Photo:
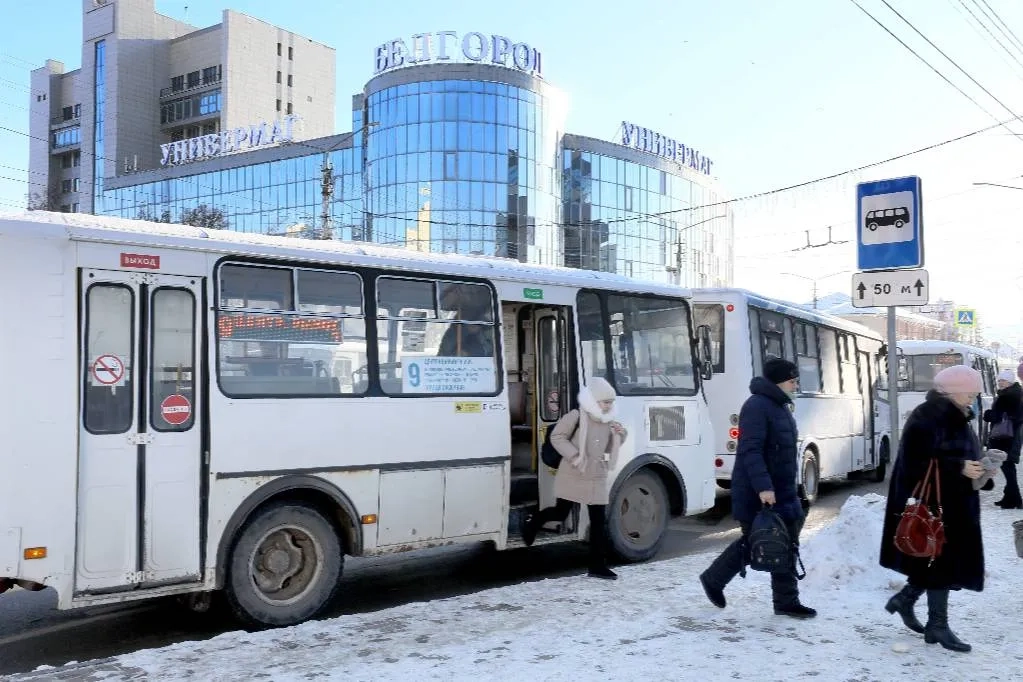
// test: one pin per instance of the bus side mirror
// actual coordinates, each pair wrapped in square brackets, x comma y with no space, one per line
[706,352]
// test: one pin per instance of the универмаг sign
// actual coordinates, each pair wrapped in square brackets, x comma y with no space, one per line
[647,140]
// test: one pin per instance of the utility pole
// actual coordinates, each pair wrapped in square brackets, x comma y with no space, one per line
[326,192]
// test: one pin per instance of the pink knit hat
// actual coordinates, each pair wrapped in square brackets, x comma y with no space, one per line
[958,379]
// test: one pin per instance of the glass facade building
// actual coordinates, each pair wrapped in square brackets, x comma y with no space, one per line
[462,158]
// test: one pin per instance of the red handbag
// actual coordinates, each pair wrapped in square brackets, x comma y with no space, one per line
[920,533]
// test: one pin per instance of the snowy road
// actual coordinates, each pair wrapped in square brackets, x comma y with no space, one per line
[33,632]
[652,624]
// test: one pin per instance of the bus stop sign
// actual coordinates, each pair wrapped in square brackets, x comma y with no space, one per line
[889,224]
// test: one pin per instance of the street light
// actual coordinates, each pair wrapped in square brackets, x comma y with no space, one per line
[677,270]
[815,280]
[995,184]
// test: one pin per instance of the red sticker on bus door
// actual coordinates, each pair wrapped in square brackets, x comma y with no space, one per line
[140,260]
[176,409]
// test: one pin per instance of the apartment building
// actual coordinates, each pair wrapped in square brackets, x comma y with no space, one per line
[147,80]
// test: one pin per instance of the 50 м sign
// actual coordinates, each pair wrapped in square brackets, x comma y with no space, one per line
[884,288]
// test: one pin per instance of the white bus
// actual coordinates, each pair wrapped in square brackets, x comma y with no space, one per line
[843,429]
[919,361]
[189,411]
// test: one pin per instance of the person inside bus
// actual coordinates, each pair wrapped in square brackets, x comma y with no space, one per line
[765,473]
[467,340]
[1006,419]
[939,430]
[588,440]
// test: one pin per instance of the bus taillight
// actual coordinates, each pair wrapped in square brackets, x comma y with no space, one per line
[733,433]
[719,462]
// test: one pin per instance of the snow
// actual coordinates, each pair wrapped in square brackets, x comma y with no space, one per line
[654,623]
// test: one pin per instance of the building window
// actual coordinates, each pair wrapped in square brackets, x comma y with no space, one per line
[211,74]
[278,105]
[65,160]
[67,137]
[194,79]
[69,113]
[178,83]
[65,186]
[291,53]
[75,184]
[65,208]
[290,81]
[278,76]
[210,128]
[289,111]
[76,208]
[278,49]
[76,159]
[450,165]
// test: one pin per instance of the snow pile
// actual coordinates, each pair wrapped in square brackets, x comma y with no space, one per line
[846,551]
[655,623]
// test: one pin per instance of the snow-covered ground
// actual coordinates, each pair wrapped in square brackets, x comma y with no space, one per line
[654,623]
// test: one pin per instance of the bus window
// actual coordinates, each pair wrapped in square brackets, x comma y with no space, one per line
[172,368]
[110,315]
[920,370]
[829,361]
[809,367]
[591,334]
[849,366]
[771,335]
[756,352]
[651,345]
[269,346]
[457,321]
[713,316]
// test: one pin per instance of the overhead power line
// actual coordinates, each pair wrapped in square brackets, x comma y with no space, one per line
[952,61]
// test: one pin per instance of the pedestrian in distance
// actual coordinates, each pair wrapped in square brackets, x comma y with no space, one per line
[1006,419]
[588,440]
[939,430]
[765,473]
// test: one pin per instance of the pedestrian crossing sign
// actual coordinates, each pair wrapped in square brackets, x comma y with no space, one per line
[966,317]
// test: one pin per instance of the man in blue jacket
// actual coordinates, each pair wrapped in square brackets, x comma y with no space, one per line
[765,473]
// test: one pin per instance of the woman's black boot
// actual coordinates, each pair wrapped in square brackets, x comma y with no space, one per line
[937,630]
[902,603]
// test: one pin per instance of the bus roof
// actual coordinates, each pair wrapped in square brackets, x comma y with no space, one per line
[140,233]
[792,309]
[928,346]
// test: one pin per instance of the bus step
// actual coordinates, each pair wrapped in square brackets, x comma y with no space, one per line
[525,489]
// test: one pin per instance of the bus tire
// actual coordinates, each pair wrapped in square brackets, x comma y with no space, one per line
[878,474]
[637,517]
[811,472]
[285,566]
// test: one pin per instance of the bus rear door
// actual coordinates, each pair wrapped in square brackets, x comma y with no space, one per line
[140,444]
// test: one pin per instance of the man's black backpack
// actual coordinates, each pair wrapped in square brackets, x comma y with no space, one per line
[770,547]
[548,453]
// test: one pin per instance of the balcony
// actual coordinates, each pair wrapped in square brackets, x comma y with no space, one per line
[166,93]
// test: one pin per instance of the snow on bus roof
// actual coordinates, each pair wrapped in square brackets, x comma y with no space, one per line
[922,346]
[87,227]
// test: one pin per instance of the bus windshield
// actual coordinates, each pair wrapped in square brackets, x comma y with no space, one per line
[916,372]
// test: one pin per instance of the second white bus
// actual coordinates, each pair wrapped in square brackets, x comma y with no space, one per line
[843,429]
[919,361]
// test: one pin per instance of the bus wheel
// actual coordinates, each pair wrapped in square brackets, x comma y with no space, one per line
[878,474]
[285,566]
[811,476]
[638,517]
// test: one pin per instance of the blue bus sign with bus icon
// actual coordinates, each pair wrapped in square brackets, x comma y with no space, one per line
[889,224]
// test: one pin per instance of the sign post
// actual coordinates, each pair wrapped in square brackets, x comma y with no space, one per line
[890,256]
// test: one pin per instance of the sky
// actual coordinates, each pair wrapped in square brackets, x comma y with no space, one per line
[653,623]
[776,92]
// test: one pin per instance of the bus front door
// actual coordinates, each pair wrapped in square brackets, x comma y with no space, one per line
[867,395]
[140,444]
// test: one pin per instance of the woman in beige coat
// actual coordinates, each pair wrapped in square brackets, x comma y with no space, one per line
[588,440]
